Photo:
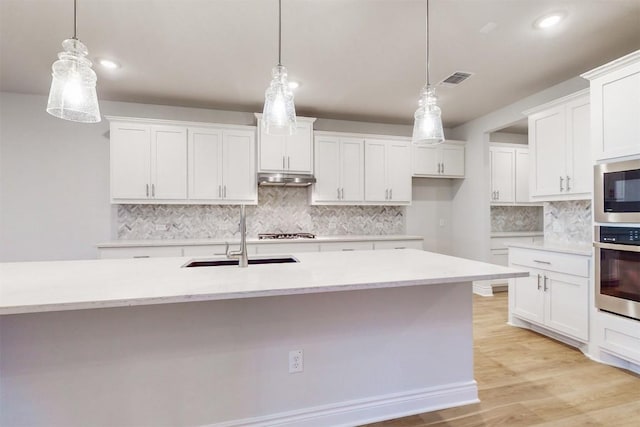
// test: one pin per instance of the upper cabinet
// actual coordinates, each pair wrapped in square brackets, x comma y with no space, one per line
[387,172]
[290,153]
[509,174]
[438,161]
[157,161]
[559,149]
[339,170]
[615,108]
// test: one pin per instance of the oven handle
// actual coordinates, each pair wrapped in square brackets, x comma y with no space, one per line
[617,247]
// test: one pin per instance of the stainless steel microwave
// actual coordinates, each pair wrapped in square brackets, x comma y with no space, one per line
[616,193]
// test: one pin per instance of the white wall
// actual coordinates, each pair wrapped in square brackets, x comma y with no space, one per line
[470,210]
[54,177]
[509,138]
[429,215]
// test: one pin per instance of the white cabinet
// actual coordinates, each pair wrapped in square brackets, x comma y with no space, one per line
[148,162]
[615,104]
[555,295]
[387,171]
[222,165]
[160,161]
[439,161]
[287,153]
[140,252]
[509,174]
[339,170]
[346,246]
[559,146]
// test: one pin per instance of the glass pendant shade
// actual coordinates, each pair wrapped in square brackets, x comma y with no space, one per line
[279,113]
[73,85]
[427,127]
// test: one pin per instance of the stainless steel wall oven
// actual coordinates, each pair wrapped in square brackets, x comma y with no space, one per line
[618,270]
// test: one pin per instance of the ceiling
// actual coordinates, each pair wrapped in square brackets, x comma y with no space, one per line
[355,59]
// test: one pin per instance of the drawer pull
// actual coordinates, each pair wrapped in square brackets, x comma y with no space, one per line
[542,262]
[545,283]
[141,256]
[348,249]
[538,282]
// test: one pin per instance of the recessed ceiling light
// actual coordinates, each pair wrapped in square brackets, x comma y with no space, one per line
[294,85]
[549,20]
[107,63]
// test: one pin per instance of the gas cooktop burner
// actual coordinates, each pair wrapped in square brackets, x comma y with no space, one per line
[277,236]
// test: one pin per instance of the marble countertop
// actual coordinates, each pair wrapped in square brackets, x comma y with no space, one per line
[253,240]
[516,233]
[568,248]
[29,287]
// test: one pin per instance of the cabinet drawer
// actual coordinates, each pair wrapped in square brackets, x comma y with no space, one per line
[141,252]
[346,246]
[502,242]
[551,261]
[286,248]
[205,250]
[620,336]
[398,244]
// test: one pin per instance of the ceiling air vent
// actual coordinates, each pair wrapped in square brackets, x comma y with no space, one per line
[455,78]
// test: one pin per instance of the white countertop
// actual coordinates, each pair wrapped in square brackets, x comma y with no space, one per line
[574,249]
[253,240]
[28,287]
[516,233]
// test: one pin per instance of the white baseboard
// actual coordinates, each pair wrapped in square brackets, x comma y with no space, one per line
[483,288]
[363,411]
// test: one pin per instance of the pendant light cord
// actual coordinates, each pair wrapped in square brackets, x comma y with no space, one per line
[279,32]
[75,20]
[428,82]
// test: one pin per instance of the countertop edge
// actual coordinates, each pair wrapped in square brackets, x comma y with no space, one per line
[573,250]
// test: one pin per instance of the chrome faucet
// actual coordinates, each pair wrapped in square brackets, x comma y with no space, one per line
[241,255]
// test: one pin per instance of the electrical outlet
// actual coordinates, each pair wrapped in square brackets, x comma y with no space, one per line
[295,361]
[441,222]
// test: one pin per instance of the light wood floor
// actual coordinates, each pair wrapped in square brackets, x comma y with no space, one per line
[526,379]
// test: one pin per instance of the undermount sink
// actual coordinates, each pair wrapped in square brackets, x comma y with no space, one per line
[225,261]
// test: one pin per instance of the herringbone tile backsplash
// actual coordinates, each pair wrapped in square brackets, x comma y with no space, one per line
[280,210]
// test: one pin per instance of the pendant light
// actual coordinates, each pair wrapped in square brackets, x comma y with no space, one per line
[279,113]
[427,127]
[73,86]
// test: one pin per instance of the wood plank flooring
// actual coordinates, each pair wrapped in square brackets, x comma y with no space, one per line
[526,379]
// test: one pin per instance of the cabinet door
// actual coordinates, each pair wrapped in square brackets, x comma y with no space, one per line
[452,160]
[567,304]
[522,175]
[426,160]
[528,297]
[618,125]
[327,164]
[130,146]
[205,164]
[502,174]
[352,167]
[375,171]
[579,164]
[299,149]
[399,171]
[169,162]
[238,167]
[271,156]
[547,135]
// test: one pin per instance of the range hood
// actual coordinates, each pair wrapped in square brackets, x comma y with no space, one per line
[286,179]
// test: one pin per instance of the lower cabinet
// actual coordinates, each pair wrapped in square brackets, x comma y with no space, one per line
[280,247]
[555,295]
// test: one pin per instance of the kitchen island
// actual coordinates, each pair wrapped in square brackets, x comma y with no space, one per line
[146,342]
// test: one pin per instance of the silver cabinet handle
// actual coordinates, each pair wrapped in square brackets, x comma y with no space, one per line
[224,191]
[439,167]
[538,282]
[147,191]
[288,162]
[568,183]
[561,181]
[498,195]
[338,190]
[545,283]
[342,193]
[542,262]
[283,168]
[443,167]
[142,256]
[153,190]
[220,191]
[391,194]
[386,194]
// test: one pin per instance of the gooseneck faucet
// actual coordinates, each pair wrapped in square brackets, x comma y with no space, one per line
[241,255]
